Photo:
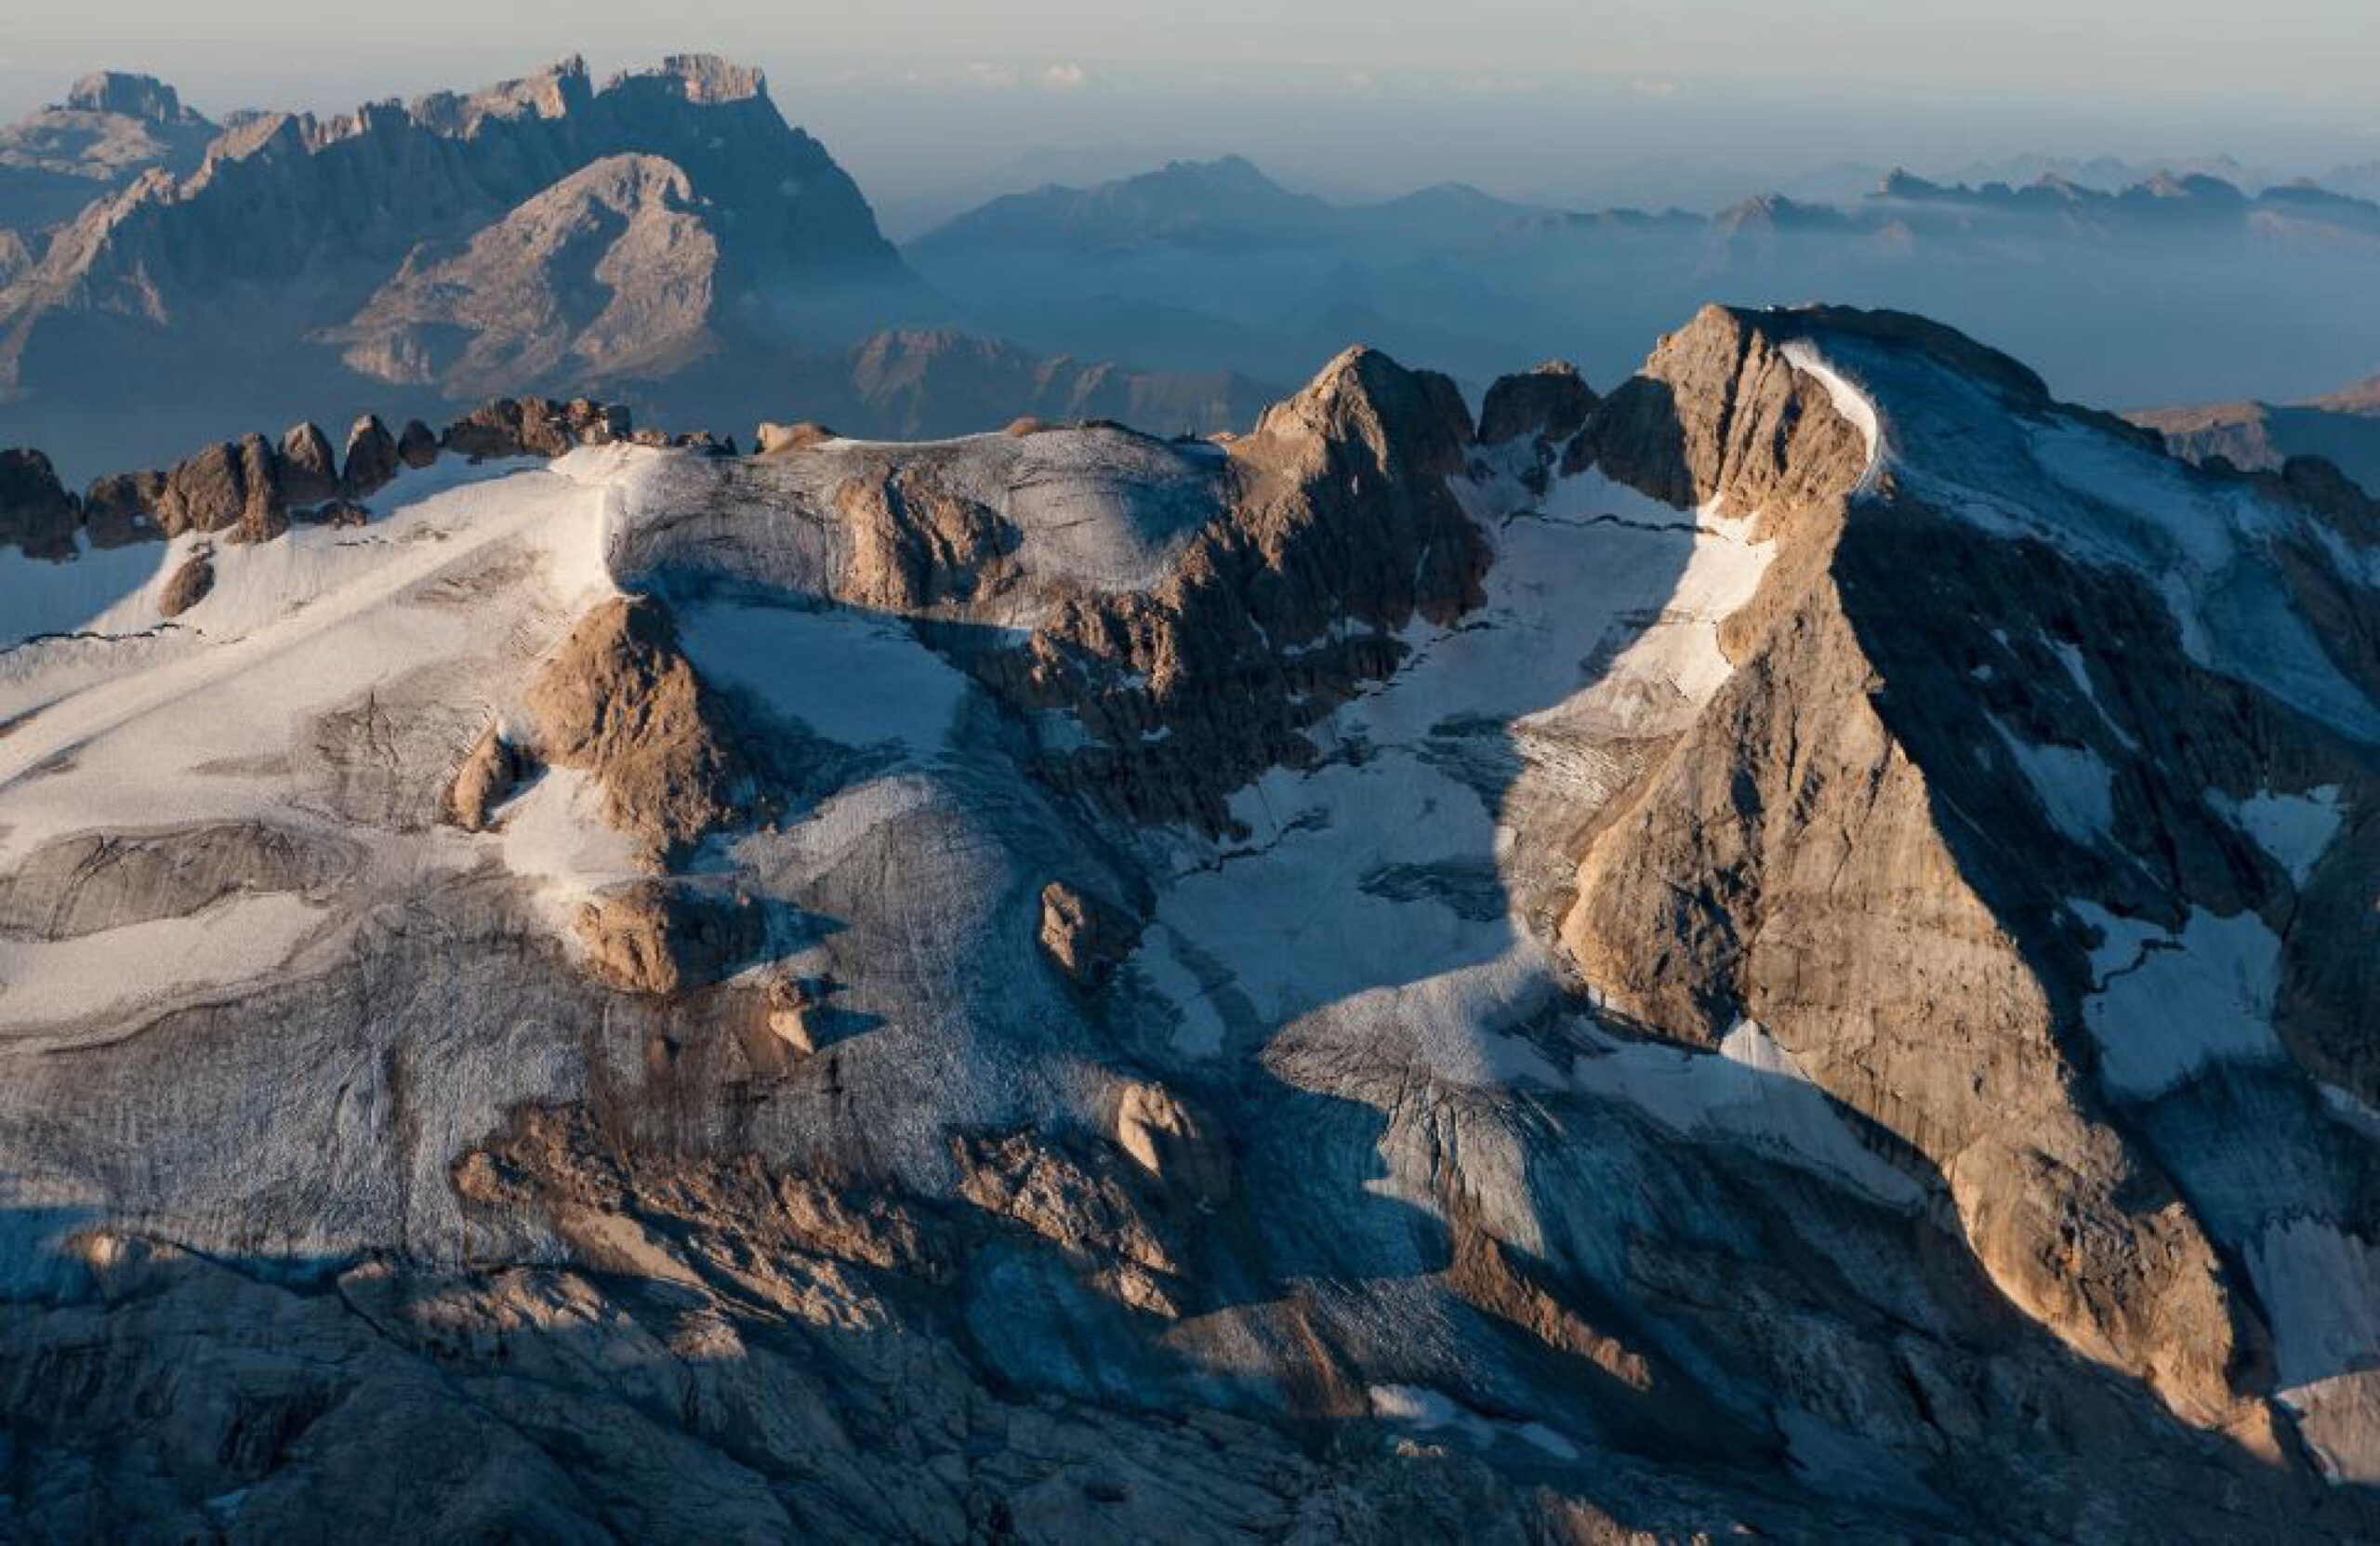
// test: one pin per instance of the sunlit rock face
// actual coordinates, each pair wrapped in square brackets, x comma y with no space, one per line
[1785,945]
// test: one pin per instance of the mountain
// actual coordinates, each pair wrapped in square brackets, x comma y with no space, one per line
[1786,948]
[111,129]
[2180,283]
[665,241]
[2342,427]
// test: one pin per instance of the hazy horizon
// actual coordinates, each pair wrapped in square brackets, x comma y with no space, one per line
[1618,103]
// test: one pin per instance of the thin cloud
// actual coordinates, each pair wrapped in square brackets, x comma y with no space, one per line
[1065,75]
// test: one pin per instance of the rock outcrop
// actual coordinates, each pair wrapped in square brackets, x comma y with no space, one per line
[36,513]
[1810,975]
[621,702]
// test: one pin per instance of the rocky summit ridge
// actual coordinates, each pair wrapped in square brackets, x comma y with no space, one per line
[1783,948]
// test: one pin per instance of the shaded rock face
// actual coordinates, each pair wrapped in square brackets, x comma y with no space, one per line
[1836,1005]
[658,940]
[915,547]
[36,514]
[485,780]
[1339,530]
[309,474]
[1550,403]
[371,459]
[233,489]
[1087,938]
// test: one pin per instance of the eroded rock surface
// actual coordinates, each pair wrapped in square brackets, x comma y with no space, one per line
[1782,951]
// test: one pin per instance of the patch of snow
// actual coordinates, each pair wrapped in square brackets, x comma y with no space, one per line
[1752,1091]
[852,677]
[2295,829]
[143,965]
[2075,787]
[1848,399]
[2168,1005]
[553,835]
[2321,1290]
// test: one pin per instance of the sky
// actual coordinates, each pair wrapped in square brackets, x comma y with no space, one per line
[936,105]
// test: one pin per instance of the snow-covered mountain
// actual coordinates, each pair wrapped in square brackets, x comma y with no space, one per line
[1787,949]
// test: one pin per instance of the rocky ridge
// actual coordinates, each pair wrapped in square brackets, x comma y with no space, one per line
[1779,947]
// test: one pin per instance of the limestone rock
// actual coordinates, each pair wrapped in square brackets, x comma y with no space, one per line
[1167,1140]
[655,939]
[620,701]
[307,471]
[188,584]
[532,427]
[1550,402]
[484,780]
[121,507]
[234,489]
[916,546]
[417,445]
[773,438]
[36,514]
[371,461]
[1087,938]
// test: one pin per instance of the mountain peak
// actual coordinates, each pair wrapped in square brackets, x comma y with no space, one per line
[142,97]
[700,78]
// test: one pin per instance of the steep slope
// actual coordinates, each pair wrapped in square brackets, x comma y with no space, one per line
[1781,948]
[111,129]
[403,237]
[609,273]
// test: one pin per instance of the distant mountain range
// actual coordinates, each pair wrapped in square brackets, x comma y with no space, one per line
[2178,284]
[2342,427]
[668,241]
[544,235]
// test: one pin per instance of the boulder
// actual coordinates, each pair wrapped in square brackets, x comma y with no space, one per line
[417,447]
[372,457]
[188,584]
[121,507]
[36,513]
[308,472]
[1087,938]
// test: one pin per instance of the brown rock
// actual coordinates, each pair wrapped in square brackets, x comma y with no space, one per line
[307,471]
[620,701]
[654,938]
[121,507]
[770,439]
[1550,402]
[36,513]
[1164,1138]
[484,780]
[188,584]
[371,458]
[1085,936]
[914,545]
[225,488]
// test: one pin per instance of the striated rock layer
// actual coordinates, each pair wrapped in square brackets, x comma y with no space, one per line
[1783,948]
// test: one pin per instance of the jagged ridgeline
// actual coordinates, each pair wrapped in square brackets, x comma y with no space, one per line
[1785,947]
[665,241]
